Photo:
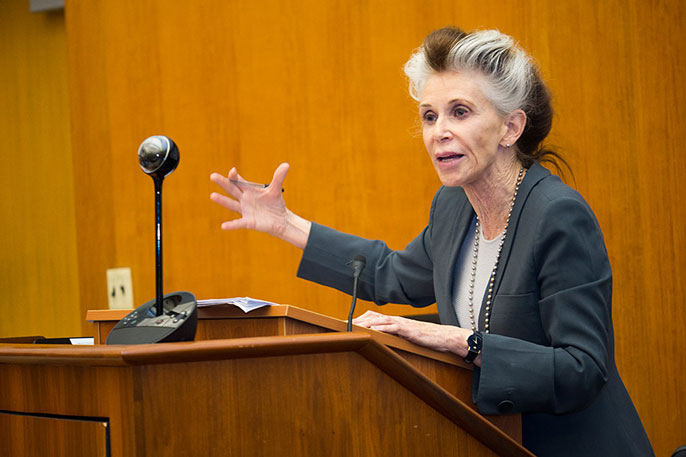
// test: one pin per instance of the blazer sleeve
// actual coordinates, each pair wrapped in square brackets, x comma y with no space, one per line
[404,276]
[574,283]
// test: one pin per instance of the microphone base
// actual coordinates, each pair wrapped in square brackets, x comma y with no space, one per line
[178,322]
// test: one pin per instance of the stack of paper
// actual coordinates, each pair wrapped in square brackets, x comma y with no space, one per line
[247,304]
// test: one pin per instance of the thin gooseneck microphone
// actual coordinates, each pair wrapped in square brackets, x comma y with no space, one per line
[357,263]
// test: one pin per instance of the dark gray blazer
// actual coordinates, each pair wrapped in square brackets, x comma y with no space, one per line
[550,353]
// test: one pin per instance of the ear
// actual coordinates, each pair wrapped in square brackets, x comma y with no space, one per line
[514,124]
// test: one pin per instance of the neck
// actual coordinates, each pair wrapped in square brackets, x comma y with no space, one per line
[491,198]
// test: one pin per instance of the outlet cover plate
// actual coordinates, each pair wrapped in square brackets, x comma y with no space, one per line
[119,288]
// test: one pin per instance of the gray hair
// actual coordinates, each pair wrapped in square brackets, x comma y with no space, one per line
[513,80]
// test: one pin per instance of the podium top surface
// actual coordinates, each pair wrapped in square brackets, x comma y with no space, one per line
[228,311]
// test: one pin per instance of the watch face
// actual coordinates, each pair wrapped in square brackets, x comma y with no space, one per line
[474,342]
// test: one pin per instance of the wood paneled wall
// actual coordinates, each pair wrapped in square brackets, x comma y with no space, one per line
[38,267]
[320,85]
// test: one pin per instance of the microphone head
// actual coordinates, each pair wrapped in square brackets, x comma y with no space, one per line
[158,156]
[358,263]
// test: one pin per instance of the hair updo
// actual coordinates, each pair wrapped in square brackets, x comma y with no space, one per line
[513,81]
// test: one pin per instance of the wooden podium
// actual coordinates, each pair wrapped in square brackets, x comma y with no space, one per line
[284,383]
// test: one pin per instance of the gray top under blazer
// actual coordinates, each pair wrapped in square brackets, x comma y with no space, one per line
[550,353]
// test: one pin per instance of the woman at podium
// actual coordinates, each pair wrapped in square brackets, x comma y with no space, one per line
[514,259]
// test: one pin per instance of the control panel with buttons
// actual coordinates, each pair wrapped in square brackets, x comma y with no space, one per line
[178,322]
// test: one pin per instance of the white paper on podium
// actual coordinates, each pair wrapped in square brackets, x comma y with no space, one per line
[246,304]
[85,341]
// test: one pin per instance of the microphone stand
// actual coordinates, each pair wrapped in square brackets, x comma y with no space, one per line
[352,306]
[158,251]
[358,263]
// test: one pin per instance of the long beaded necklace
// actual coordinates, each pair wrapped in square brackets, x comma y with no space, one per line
[475,257]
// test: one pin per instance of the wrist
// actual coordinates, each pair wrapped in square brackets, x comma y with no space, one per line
[474,344]
[296,230]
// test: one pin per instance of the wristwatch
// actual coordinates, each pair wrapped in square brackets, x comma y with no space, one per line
[474,342]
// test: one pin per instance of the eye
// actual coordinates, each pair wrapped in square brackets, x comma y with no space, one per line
[429,117]
[460,111]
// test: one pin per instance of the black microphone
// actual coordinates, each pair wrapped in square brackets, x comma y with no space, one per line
[357,263]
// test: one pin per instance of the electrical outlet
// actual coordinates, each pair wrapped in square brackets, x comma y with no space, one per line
[119,288]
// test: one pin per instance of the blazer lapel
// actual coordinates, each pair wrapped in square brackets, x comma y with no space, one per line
[461,214]
[532,177]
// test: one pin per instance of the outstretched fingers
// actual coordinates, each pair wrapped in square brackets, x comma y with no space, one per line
[260,207]
[225,183]
[233,177]
[226,202]
[235,224]
[232,204]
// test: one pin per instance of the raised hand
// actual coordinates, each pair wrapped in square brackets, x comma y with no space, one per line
[260,208]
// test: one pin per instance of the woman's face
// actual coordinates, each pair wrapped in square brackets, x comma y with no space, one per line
[461,128]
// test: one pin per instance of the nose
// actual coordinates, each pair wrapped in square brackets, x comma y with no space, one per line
[442,130]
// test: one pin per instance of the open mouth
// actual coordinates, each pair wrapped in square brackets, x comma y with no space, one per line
[449,157]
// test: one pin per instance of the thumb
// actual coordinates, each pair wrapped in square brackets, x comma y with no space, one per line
[279,176]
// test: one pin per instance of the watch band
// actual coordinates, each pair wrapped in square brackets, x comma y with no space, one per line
[474,343]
